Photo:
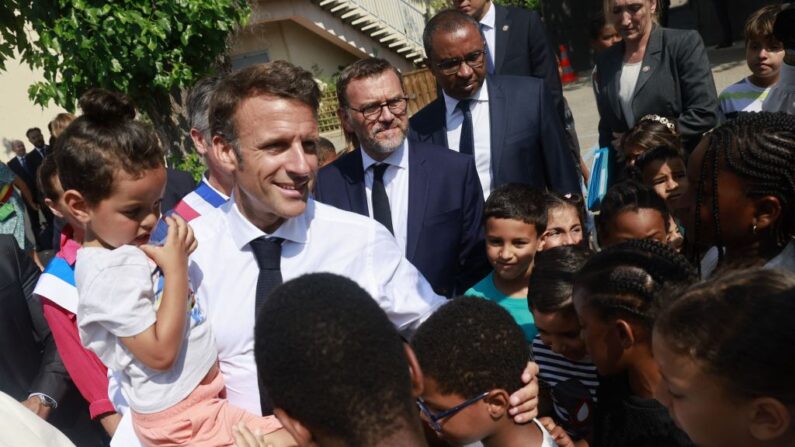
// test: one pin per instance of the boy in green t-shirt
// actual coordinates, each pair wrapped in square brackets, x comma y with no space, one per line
[514,217]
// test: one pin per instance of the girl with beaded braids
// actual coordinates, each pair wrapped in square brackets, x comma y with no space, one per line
[742,193]
[617,297]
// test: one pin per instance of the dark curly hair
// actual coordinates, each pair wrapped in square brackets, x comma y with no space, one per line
[329,356]
[470,346]
[106,139]
[626,279]
[738,327]
[628,195]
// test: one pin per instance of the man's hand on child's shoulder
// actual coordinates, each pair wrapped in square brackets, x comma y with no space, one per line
[524,402]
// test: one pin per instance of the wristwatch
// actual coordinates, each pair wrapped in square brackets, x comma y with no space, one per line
[46,400]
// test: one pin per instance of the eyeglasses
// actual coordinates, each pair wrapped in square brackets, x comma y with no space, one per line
[396,106]
[433,419]
[474,59]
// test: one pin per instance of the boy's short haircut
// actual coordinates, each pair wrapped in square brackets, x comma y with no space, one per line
[759,25]
[330,358]
[470,346]
[518,202]
[48,170]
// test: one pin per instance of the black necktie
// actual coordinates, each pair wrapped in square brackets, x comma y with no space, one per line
[466,145]
[268,253]
[381,211]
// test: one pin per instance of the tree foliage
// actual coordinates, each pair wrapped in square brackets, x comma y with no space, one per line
[149,49]
[535,5]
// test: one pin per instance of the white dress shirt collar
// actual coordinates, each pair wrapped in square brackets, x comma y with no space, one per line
[295,229]
[450,103]
[489,18]
[398,158]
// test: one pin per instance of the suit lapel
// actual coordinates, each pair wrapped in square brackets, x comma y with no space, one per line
[418,188]
[498,119]
[651,60]
[614,69]
[354,175]
[439,136]
[502,24]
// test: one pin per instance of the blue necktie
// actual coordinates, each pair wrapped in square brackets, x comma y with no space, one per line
[381,211]
[466,144]
[268,253]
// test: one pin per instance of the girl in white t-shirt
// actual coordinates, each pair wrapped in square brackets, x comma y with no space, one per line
[136,310]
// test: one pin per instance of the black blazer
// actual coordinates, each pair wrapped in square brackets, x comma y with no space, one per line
[528,144]
[23,172]
[523,49]
[445,206]
[675,80]
[34,159]
[29,360]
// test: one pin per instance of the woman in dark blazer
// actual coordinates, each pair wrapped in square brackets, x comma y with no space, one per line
[654,70]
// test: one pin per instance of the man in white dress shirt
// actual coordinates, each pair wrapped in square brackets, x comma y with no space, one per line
[264,125]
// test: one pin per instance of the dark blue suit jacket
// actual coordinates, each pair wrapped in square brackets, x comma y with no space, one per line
[528,144]
[523,49]
[444,231]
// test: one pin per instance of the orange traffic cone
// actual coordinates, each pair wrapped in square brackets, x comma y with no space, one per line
[568,72]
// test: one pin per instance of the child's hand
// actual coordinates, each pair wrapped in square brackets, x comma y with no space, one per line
[180,242]
[557,432]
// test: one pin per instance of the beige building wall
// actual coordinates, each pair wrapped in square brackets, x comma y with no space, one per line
[17,112]
[289,41]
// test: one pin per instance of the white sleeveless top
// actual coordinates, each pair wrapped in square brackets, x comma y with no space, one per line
[626,89]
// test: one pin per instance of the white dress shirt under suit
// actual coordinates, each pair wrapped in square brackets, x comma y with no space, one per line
[396,183]
[481,127]
[224,272]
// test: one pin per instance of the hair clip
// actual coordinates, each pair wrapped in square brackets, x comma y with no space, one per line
[660,119]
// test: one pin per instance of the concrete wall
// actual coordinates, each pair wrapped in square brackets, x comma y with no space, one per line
[17,112]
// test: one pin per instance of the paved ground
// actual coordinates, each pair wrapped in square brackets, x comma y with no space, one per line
[728,66]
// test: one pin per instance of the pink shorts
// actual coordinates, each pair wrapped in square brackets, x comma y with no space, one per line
[204,418]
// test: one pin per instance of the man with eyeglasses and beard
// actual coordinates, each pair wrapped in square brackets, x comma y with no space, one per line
[507,123]
[428,197]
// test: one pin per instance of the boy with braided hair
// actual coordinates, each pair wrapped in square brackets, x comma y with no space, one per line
[617,297]
[743,186]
